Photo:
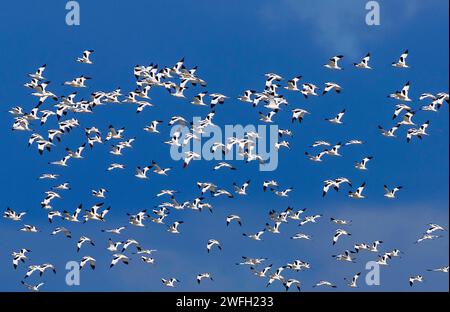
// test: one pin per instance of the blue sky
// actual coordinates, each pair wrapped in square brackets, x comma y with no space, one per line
[233,44]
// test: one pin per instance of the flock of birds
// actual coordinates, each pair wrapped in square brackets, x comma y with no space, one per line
[176,80]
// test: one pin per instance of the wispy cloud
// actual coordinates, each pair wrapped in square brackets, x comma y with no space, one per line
[337,26]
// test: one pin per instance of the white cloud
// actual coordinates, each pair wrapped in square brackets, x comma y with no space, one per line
[337,26]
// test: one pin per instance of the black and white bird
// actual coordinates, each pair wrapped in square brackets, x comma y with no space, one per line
[420,132]
[223,164]
[113,246]
[141,173]
[147,260]
[117,150]
[203,276]
[116,231]
[40,268]
[251,261]
[316,158]
[415,279]
[130,242]
[13,215]
[169,282]
[269,184]
[232,217]
[87,259]
[364,64]
[292,84]
[85,58]
[362,165]
[309,89]
[339,233]
[310,219]
[383,260]
[334,151]
[166,192]
[333,62]
[241,190]
[158,170]
[354,142]
[320,143]
[295,215]
[432,107]
[100,193]
[73,217]
[62,230]
[174,227]
[217,98]
[298,265]
[346,256]
[400,108]
[291,282]
[325,283]
[42,93]
[38,74]
[390,133]
[285,132]
[190,156]
[261,273]
[331,86]
[32,84]
[426,237]
[401,63]
[402,95]
[353,282]
[282,193]
[394,253]
[145,251]
[62,186]
[83,240]
[267,118]
[298,114]
[16,111]
[198,99]
[62,162]
[433,227]
[49,176]
[275,229]
[256,236]
[152,128]
[276,276]
[337,119]
[444,269]
[246,97]
[374,246]
[119,258]
[211,243]
[116,134]
[33,288]
[358,193]
[361,246]
[78,82]
[95,214]
[391,193]
[340,221]
[19,256]
[301,236]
